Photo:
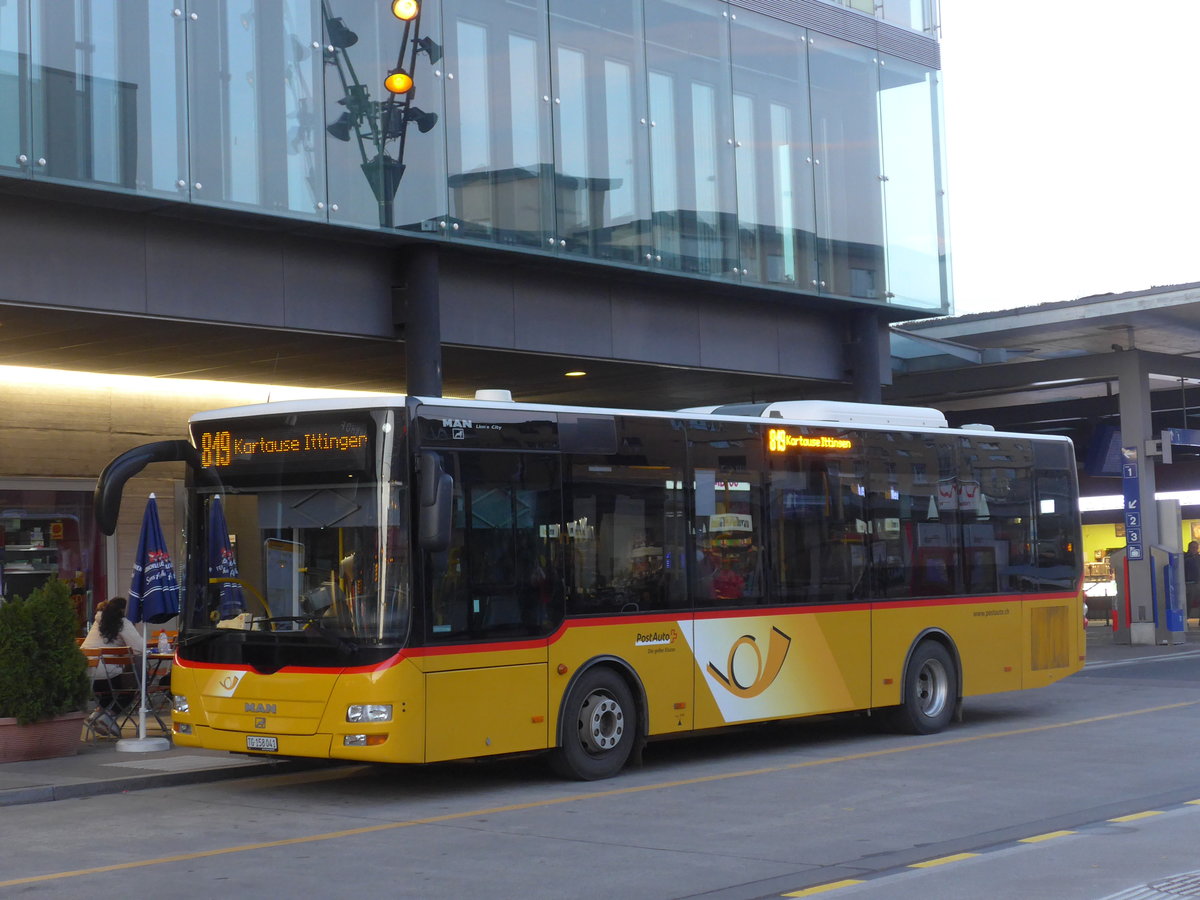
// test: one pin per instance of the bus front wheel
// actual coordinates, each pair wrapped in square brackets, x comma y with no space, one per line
[930,691]
[599,727]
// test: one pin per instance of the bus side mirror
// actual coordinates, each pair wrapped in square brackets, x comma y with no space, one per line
[111,483]
[436,499]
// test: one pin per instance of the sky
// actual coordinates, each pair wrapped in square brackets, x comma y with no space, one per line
[1073,148]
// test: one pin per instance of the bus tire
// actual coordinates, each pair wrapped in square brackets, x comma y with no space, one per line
[599,727]
[930,691]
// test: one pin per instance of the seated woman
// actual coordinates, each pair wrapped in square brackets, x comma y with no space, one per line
[115,685]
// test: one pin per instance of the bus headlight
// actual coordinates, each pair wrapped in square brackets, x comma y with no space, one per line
[179,703]
[369,712]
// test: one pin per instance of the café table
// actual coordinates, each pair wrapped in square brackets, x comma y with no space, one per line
[158,696]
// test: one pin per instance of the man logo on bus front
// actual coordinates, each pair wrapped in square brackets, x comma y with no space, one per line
[777,650]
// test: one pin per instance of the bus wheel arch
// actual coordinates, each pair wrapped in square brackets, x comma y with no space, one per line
[931,689]
[601,721]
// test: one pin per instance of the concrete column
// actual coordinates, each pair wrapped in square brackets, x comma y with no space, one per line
[419,315]
[865,350]
[1136,429]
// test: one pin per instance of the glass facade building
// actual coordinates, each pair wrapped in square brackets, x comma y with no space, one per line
[729,142]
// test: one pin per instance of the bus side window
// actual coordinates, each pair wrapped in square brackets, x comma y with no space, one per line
[1057,536]
[915,492]
[997,514]
[818,524]
[624,530]
[730,514]
[500,575]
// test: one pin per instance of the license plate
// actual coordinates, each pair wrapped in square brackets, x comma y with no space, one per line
[261,742]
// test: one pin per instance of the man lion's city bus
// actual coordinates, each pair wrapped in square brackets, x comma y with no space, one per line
[405,579]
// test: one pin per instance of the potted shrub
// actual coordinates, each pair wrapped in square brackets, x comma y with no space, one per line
[44,682]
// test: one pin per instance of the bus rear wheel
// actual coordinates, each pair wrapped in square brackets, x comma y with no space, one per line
[930,691]
[599,727]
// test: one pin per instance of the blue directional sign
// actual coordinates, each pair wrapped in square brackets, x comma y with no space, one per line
[1184,437]
[1134,548]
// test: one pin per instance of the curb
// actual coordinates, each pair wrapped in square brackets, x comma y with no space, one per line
[43,793]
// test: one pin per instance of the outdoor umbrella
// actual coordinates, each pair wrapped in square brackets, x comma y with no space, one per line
[221,562]
[153,598]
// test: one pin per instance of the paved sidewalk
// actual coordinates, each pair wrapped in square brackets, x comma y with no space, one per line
[100,768]
[1101,649]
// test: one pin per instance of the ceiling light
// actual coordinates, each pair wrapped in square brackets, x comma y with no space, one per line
[575,374]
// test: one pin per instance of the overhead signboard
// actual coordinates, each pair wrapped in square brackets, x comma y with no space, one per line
[1134,548]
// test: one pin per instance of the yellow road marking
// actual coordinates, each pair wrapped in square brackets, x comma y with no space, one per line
[1135,816]
[1192,803]
[822,888]
[942,860]
[1044,837]
[597,795]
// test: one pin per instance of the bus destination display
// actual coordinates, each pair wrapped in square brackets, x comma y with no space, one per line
[780,440]
[235,446]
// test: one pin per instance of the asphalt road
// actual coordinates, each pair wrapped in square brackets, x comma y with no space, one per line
[1081,790]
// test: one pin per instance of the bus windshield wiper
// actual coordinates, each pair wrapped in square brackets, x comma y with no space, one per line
[343,642]
[310,622]
[194,640]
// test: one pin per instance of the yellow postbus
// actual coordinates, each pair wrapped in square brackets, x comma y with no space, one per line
[413,579]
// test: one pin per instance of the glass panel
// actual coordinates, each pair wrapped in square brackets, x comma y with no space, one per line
[386,151]
[52,534]
[106,104]
[602,194]
[253,77]
[845,127]
[625,525]
[501,574]
[691,114]
[499,153]
[730,522]
[663,162]
[908,111]
[774,152]
[818,520]
[914,14]
[14,87]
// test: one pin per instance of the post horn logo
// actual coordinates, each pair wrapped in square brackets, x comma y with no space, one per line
[229,682]
[777,650]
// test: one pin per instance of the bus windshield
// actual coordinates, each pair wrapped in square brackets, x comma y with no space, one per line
[307,544]
[308,559]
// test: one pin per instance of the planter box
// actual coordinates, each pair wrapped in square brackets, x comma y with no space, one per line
[41,740]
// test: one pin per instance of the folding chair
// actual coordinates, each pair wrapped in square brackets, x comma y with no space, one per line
[127,696]
[93,660]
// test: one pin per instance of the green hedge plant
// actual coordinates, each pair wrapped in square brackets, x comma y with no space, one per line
[42,672]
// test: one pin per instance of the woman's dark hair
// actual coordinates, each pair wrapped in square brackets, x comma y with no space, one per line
[111,617]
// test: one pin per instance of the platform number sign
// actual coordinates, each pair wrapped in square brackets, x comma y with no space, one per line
[1133,509]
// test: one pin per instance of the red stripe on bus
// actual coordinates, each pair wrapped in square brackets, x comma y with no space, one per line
[296,670]
[601,621]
